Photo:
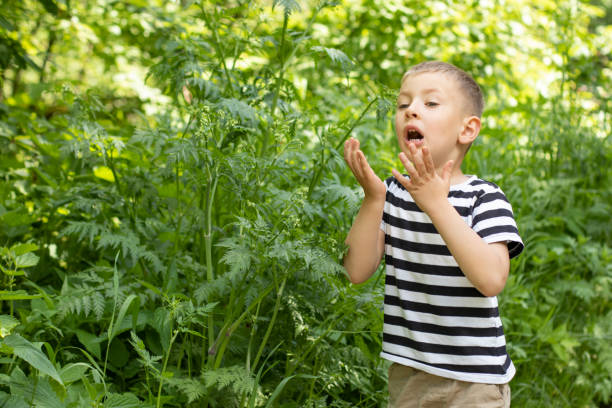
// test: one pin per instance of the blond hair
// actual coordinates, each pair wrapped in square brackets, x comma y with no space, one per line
[466,83]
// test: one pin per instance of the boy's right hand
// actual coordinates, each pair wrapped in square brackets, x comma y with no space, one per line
[372,185]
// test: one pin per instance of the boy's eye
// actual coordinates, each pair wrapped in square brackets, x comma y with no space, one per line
[431,104]
[403,105]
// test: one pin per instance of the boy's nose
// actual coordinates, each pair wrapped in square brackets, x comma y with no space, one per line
[411,111]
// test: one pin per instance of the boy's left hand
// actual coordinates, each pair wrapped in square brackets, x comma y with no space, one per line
[425,185]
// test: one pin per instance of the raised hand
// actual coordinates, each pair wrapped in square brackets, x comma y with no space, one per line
[425,185]
[372,185]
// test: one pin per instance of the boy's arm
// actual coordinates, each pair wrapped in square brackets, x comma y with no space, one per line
[365,240]
[485,265]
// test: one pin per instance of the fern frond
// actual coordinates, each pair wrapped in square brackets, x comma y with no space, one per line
[82,230]
[88,205]
[336,191]
[99,304]
[127,243]
[289,6]
[75,305]
[215,289]
[207,90]
[86,305]
[240,110]
[148,228]
[323,265]
[191,388]
[237,378]
[338,57]
[238,256]
[151,259]
[149,361]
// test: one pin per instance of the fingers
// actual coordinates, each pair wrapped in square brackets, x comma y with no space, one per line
[361,165]
[428,160]
[417,159]
[348,147]
[351,146]
[356,160]
[412,171]
[419,163]
[403,180]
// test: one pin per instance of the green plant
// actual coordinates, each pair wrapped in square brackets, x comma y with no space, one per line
[181,246]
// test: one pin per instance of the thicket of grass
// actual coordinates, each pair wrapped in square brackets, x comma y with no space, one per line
[187,253]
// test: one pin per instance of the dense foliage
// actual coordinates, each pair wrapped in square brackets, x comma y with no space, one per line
[174,203]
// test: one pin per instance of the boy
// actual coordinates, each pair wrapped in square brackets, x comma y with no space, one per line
[447,239]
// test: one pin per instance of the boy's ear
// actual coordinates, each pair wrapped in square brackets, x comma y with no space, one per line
[471,128]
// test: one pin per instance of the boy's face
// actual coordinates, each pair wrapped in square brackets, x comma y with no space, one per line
[431,112]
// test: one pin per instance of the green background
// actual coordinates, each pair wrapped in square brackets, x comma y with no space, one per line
[174,202]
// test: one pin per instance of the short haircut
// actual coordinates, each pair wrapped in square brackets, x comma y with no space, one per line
[466,83]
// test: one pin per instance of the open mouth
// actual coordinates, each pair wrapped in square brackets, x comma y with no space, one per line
[413,135]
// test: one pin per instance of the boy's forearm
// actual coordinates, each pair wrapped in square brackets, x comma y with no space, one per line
[365,249]
[483,264]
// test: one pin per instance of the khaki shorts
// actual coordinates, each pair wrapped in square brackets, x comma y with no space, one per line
[411,388]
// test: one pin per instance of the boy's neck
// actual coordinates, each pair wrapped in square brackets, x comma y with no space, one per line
[457,176]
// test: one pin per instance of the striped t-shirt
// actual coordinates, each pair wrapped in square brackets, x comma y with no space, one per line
[435,320]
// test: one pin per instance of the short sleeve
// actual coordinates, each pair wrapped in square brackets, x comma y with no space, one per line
[493,220]
[383,224]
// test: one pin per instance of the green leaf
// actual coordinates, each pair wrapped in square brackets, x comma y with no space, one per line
[73,372]
[12,272]
[50,6]
[163,324]
[279,388]
[126,400]
[90,341]
[37,390]
[238,257]
[240,110]
[289,6]
[21,249]
[26,260]
[17,295]
[7,324]
[25,350]
[14,401]
[118,354]
[338,57]
[150,287]
[114,329]
[4,23]
[193,389]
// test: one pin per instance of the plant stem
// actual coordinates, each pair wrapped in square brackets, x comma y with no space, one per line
[227,330]
[281,73]
[283,65]
[251,337]
[277,85]
[52,38]
[219,50]
[271,324]
[115,300]
[161,378]
[210,276]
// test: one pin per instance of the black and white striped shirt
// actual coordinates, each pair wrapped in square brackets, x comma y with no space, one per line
[435,319]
